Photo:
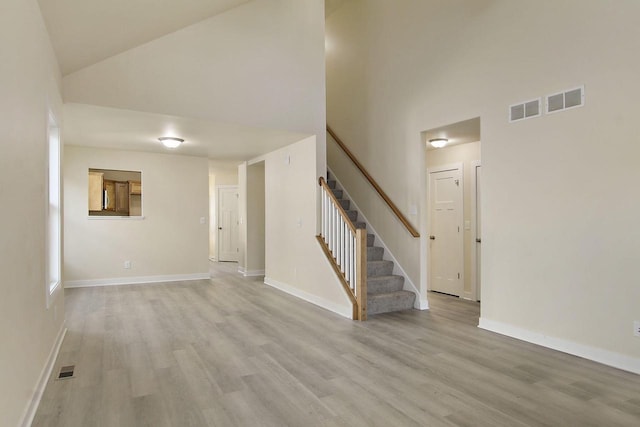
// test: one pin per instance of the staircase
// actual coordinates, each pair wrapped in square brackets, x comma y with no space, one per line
[384,289]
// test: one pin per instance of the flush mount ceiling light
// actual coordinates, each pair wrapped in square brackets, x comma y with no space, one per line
[438,142]
[170,142]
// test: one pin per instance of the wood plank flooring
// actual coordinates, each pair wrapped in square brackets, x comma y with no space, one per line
[233,352]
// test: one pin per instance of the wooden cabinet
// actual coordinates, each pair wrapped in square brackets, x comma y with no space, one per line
[122,198]
[115,193]
[135,188]
[109,195]
[95,191]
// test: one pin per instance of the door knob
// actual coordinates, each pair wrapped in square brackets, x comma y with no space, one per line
[432,237]
[219,228]
[478,240]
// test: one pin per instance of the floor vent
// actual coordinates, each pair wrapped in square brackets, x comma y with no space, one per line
[525,110]
[565,100]
[66,372]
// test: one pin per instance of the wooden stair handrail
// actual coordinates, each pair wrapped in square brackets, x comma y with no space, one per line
[354,301]
[375,185]
[359,299]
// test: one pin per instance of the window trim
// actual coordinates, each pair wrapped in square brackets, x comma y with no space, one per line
[53,280]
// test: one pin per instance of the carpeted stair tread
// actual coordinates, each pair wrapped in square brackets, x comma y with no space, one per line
[384,289]
[384,284]
[374,253]
[379,268]
[391,301]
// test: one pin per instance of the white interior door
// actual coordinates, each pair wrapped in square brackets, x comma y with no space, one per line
[478,240]
[446,237]
[228,226]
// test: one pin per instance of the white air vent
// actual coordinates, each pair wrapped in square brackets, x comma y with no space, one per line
[525,110]
[566,100]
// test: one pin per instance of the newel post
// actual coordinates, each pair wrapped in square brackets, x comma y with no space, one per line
[361,273]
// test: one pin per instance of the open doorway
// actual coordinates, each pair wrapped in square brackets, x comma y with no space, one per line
[452,202]
[223,176]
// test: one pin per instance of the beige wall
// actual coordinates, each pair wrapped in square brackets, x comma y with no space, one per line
[465,154]
[255,218]
[170,240]
[30,82]
[220,173]
[559,234]
[294,260]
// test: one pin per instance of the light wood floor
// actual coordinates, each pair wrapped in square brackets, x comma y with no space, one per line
[234,352]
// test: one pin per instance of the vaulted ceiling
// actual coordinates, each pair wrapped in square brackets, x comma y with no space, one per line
[87,34]
[84,32]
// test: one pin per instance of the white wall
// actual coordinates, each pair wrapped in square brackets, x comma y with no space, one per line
[465,154]
[260,64]
[169,241]
[295,262]
[559,235]
[30,81]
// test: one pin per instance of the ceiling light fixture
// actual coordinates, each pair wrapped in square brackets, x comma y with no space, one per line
[438,142]
[171,142]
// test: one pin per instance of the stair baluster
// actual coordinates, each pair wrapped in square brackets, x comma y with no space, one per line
[346,247]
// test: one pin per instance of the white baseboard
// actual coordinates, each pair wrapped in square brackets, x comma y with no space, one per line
[31,410]
[605,357]
[115,281]
[421,304]
[250,273]
[344,311]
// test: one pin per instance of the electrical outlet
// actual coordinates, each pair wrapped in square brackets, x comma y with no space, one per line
[127,264]
[636,328]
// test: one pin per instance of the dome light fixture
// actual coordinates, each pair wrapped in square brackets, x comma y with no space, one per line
[438,142]
[170,141]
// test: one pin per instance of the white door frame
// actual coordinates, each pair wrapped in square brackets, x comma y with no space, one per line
[474,227]
[452,166]
[217,216]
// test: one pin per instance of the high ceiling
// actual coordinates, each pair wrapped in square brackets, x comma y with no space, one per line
[84,32]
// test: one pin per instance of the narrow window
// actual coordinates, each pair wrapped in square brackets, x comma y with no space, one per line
[53,208]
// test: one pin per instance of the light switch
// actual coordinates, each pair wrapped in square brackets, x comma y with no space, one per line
[202,220]
[467,225]
[413,210]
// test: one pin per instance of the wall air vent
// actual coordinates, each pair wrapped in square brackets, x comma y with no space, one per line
[566,100]
[66,372]
[525,110]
